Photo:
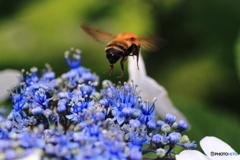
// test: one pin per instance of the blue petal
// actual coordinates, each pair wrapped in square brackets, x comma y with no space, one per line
[70,116]
[120,119]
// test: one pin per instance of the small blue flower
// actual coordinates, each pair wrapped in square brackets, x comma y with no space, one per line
[47,112]
[123,102]
[165,128]
[159,123]
[135,154]
[92,130]
[48,74]
[77,74]
[89,77]
[5,128]
[31,77]
[174,137]
[62,105]
[99,115]
[32,121]
[29,139]
[64,94]
[117,113]
[60,145]
[79,105]
[80,137]
[138,138]
[76,58]
[7,124]
[114,149]
[182,126]
[164,140]
[85,90]
[48,78]
[188,145]
[148,112]
[127,112]
[156,138]
[135,123]
[18,118]
[136,113]
[41,97]
[48,132]
[19,99]
[37,111]
[73,117]
[151,125]
[104,102]
[170,118]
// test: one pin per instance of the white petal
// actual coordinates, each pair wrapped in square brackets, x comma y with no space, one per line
[150,89]
[191,155]
[36,155]
[8,80]
[213,144]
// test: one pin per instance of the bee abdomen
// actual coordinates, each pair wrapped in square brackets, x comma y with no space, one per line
[117,46]
[113,55]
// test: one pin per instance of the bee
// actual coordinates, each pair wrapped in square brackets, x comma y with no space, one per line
[120,46]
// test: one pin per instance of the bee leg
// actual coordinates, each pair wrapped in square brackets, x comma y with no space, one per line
[136,52]
[137,61]
[111,70]
[123,60]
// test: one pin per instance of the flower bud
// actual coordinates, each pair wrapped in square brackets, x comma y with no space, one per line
[170,118]
[182,126]
[104,102]
[156,138]
[151,125]
[37,111]
[127,112]
[135,123]
[184,139]
[47,112]
[159,123]
[166,128]
[174,137]
[160,152]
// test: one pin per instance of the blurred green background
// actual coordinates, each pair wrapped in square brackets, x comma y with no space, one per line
[199,67]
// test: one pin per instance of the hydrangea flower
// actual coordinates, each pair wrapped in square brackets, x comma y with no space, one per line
[68,118]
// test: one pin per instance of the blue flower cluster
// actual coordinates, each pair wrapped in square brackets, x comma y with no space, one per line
[67,118]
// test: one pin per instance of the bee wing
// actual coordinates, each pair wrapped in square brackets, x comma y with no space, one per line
[98,35]
[152,44]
